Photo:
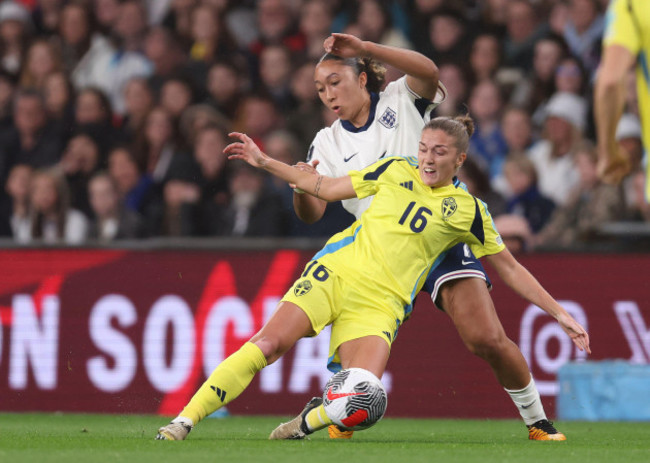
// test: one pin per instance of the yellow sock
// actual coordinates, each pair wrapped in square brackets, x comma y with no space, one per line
[226,382]
[317,419]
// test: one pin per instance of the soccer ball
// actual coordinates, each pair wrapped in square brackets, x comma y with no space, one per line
[354,399]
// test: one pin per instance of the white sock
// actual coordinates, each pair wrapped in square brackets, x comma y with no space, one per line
[184,421]
[528,402]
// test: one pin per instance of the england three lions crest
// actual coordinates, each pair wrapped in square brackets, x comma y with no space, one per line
[388,119]
[449,206]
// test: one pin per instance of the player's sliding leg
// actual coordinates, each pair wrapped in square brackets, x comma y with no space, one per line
[288,324]
[368,352]
[470,307]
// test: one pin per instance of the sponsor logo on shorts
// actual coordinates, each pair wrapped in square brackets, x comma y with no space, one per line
[449,206]
[302,288]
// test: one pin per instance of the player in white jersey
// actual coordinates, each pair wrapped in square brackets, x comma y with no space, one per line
[374,124]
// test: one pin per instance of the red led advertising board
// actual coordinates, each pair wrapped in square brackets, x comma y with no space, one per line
[138,331]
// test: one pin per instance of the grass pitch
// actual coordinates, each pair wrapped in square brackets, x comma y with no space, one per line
[109,438]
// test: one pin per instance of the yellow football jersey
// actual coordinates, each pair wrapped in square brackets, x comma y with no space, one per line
[627,24]
[406,231]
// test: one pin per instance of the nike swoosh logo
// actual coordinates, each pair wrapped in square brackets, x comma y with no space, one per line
[466,262]
[529,405]
[339,395]
[350,157]
[382,155]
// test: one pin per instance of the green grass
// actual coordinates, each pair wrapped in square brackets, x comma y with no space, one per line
[110,438]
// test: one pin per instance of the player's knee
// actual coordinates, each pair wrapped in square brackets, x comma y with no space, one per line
[488,345]
[271,347]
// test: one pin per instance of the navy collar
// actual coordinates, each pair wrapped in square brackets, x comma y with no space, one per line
[347,125]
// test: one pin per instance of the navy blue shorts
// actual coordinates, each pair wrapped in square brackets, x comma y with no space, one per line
[460,262]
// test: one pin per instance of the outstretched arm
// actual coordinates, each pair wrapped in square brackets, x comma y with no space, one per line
[320,186]
[308,208]
[523,283]
[422,73]
[609,100]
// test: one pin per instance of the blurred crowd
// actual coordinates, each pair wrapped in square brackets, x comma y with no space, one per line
[114,113]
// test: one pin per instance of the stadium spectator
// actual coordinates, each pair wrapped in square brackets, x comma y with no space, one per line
[108,65]
[485,57]
[253,209]
[42,59]
[515,232]
[210,36]
[130,26]
[32,140]
[111,220]
[166,55]
[570,77]
[178,212]
[157,143]
[590,204]
[374,21]
[7,88]
[138,102]
[538,85]
[176,95]
[276,22]
[179,20]
[59,97]
[81,159]
[75,34]
[553,155]
[133,185]
[448,37]
[517,129]
[15,206]
[457,90]
[258,115]
[478,184]
[51,219]
[488,143]
[225,85]
[15,31]
[93,115]
[197,117]
[306,118]
[526,199]
[315,24]
[583,32]
[275,76]
[208,147]
[524,27]
[46,17]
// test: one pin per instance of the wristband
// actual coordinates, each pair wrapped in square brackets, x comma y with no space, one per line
[298,191]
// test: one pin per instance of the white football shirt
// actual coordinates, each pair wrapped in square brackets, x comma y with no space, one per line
[397,116]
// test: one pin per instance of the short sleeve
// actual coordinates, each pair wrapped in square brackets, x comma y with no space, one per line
[620,27]
[367,182]
[492,241]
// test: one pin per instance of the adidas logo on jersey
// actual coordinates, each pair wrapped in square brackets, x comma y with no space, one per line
[408,185]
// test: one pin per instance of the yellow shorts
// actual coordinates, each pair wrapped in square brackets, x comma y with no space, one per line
[353,313]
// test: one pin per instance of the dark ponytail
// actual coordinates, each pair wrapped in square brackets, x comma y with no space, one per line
[375,71]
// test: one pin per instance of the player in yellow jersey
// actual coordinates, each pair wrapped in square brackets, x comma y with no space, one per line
[626,42]
[365,278]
